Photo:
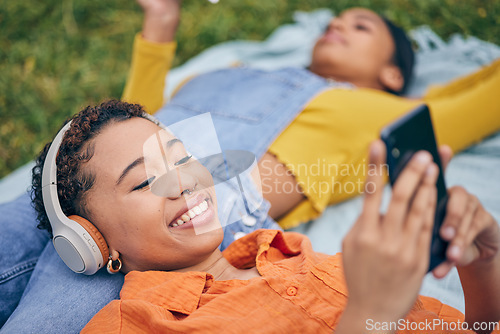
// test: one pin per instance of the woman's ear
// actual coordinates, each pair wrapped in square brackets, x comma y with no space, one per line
[114,264]
[114,254]
[391,78]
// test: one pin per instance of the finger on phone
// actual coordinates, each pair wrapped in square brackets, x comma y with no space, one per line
[455,210]
[458,244]
[445,154]
[374,184]
[424,236]
[405,187]
[421,213]
[443,269]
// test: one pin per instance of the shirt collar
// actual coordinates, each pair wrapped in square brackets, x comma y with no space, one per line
[181,291]
[177,292]
[262,248]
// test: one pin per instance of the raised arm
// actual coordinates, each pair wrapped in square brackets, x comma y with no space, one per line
[161,18]
[154,50]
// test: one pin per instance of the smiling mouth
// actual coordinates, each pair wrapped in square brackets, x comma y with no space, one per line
[190,214]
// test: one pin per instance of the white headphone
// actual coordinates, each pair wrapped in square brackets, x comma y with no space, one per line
[77,241]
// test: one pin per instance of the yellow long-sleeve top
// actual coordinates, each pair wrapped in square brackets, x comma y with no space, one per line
[326,145]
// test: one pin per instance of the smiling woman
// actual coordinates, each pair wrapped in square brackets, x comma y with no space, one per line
[108,160]
[155,207]
[129,207]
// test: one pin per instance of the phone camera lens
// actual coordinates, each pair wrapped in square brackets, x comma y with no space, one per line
[395,153]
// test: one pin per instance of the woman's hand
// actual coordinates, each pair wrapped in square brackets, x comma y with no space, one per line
[473,234]
[474,247]
[386,257]
[161,18]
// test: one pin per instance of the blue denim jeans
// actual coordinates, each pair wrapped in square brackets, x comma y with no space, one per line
[21,244]
[249,108]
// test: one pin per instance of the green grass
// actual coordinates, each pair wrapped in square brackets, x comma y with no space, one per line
[58,56]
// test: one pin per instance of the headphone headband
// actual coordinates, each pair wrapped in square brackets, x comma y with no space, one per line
[75,244]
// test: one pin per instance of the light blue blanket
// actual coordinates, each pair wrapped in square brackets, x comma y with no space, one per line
[478,169]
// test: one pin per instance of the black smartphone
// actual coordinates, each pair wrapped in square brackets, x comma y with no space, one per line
[403,138]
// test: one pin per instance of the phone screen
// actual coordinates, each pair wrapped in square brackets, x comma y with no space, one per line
[403,138]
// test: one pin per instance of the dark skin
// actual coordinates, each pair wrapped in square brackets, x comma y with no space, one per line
[394,268]
[135,221]
[386,256]
[357,47]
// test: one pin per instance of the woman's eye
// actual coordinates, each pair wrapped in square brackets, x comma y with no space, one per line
[361,27]
[183,160]
[144,184]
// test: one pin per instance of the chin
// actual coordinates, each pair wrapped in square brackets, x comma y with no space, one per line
[322,61]
[212,234]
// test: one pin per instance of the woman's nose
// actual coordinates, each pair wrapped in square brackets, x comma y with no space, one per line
[187,182]
[174,184]
[336,24]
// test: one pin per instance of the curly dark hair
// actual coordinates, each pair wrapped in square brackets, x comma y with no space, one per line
[73,181]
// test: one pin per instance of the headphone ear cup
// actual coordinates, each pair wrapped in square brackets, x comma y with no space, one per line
[95,234]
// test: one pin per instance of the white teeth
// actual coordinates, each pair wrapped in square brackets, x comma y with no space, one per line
[197,210]
[204,206]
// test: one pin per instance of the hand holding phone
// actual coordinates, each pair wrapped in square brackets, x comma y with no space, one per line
[385,257]
[403,138]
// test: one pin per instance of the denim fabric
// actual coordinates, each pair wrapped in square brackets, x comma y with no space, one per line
[21,245]
[56,300]
[246,213]
[249,109]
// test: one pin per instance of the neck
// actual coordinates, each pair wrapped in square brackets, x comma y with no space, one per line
[358,82]
[217,265]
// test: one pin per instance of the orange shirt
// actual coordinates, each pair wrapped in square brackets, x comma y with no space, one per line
[300,291]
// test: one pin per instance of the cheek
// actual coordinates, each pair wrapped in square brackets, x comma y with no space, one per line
[142,211]
[202,175]
[377,50]
[367,58]
[208,182]
[343,57]
[205,176]
[130,219]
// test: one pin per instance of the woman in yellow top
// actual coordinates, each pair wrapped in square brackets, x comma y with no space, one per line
[319,159]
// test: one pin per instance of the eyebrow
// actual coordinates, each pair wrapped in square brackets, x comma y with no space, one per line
[171,142]
[127,169]
[367,17]
[140,161]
